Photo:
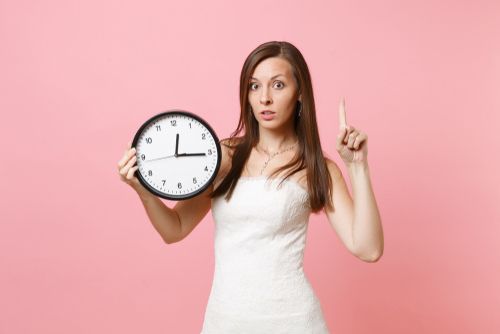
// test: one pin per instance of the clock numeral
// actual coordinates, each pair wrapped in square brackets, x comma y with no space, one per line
[179,185]
[158,128]
[149,140]
[190,125]
[206,169]
[203,136]
[143,157]
[150,172]
[163,182]
[173,122]
[194,180]
[209,151]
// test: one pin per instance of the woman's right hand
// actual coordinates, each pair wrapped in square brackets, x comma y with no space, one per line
[127,169]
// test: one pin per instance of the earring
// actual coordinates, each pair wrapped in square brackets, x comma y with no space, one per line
[300,109]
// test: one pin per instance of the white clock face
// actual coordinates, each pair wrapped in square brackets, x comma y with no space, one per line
[178,154]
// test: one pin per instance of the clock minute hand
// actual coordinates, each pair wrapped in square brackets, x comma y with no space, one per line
[176,145]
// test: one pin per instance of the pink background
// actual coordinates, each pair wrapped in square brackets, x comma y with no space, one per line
[77,79]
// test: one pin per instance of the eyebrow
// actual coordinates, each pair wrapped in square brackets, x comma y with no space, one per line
[277,75]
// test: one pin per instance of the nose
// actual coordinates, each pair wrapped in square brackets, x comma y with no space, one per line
[265,97]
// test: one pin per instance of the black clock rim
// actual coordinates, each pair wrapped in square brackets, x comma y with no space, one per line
[217,145]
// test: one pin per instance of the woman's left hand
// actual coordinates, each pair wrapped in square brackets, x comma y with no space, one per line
[352,144]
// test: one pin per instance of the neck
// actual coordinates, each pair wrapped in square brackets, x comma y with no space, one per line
[274,141]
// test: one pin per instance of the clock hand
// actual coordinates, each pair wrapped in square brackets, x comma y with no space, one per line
[176,145]
[168,156]
[190,154]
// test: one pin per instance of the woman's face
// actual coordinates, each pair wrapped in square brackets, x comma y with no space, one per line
[272,87]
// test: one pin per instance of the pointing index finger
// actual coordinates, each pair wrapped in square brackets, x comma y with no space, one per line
[342,115]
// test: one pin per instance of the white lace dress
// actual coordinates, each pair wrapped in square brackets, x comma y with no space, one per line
[259,284]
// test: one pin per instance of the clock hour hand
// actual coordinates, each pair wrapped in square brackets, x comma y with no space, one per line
[190,154]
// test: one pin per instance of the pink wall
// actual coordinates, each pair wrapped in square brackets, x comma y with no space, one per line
[77,78]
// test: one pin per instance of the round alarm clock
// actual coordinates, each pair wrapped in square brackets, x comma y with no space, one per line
[178,154]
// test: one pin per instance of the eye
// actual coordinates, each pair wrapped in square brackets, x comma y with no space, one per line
[251,85]
[280,83]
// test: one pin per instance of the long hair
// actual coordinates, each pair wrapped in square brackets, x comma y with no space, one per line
[309,155]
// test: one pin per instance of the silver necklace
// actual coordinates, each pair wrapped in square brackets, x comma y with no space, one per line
[272,155]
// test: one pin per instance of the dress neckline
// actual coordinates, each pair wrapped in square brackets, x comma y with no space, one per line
[273,179]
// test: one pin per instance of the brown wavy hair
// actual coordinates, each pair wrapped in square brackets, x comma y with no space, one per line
[309,155]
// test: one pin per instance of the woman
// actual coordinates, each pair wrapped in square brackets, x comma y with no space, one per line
[273,175]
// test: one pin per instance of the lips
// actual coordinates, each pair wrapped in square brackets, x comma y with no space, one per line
[267,115]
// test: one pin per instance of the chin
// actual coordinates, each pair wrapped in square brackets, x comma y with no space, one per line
[274,125]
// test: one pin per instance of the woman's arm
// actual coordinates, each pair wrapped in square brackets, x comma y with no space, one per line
[357,222]
[173,224]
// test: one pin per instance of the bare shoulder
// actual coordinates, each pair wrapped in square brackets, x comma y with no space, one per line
[227,149]
[333,169]
[230,143]
[228,146]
